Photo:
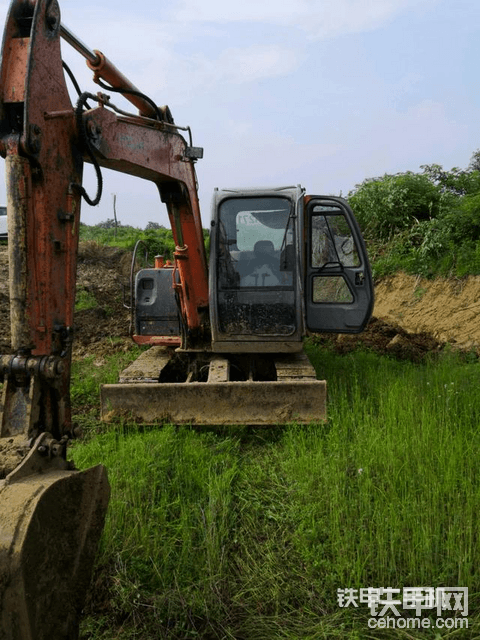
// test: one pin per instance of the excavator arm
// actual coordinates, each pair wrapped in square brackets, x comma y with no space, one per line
[155,151]
[51,515]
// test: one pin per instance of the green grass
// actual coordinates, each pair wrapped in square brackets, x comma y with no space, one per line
[85,300]
[88,374]
[248,533]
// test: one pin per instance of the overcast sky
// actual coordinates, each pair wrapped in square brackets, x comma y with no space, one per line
[323,93]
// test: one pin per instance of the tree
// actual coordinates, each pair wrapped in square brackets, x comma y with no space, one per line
[154,225]
[475,161]
[459,182]
[110,223]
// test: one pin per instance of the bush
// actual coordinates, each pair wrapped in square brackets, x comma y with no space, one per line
[426,223]
[384,206]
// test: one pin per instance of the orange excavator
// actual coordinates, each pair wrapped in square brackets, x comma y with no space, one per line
[226,339]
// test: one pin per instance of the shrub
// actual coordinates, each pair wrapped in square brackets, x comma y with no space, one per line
[427,223]
[384,206]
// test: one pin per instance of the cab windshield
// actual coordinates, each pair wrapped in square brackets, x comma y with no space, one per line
[256,241]
[255,266]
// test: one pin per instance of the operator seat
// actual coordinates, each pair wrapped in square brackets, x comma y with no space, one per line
[264,255]
[264,247]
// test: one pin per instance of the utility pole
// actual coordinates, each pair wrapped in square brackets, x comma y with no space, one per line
[115,212]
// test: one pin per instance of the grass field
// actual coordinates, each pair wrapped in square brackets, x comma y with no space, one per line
[248,533]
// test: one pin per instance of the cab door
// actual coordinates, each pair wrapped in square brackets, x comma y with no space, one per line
[338,281]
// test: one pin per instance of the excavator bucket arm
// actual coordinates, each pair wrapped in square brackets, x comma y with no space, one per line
[51,515]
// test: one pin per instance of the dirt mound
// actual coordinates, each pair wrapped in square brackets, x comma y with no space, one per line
[103,273]
[414,317]
[387,338]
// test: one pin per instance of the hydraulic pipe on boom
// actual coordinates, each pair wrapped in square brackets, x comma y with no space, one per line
[105,70]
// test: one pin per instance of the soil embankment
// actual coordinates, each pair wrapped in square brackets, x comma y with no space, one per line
[446,309]
[414,317]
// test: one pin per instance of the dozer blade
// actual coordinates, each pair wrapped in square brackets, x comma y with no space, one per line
[234,403]
[50,525]
[295,396]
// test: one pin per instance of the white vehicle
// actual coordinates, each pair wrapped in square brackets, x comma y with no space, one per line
[3,223]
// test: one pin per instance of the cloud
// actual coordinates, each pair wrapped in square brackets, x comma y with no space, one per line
[255,63]
[318,19]
[202,74]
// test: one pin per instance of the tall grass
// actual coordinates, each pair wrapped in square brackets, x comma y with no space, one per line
[248,533]
[169,522]
[399,465]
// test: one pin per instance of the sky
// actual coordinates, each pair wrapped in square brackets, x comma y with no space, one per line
[322,93]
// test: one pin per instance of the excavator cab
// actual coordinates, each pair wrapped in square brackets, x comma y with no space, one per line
[254,292]
[283,264]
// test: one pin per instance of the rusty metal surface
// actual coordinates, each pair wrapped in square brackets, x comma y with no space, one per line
[17,171]
[235,403]
[50,525]
[44,132]
[158,155]
[103,68]
[42,162]
[51,516]
[13,88]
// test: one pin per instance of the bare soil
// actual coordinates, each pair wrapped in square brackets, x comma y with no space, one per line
[412,317]
[103,272]
[446,308]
